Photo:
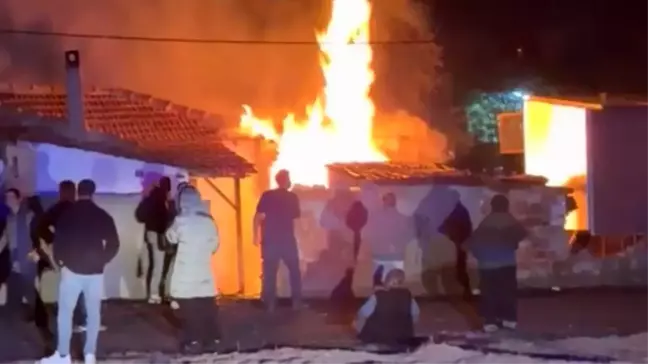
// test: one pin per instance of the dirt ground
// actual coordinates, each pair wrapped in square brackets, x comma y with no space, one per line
[138,327]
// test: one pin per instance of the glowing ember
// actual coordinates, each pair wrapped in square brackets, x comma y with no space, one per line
[339,124]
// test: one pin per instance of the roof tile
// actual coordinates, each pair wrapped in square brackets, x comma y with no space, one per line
[418,174]
[158,130]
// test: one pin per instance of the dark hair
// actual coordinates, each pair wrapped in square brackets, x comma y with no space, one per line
[15,191]
[282,175]
[165,183]
[86,188]
[67,189]
[499,203]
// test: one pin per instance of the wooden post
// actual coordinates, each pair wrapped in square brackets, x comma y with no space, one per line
[239,235]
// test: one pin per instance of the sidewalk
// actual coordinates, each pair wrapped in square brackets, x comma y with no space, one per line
[138,327]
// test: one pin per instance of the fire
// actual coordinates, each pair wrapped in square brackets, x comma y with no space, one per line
[555,146]
[339,125]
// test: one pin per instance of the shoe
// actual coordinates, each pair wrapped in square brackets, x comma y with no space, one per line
[511,325]
[155,299]
[56,358]
[490,328]
[90,359]
[174,305]
[192,348]
[297,306]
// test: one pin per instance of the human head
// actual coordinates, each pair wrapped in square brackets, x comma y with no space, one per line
[395,278]
[165,184]
[86,189]
[499,203]
[389,200]
[189,200]
[13,198]
[283,179]
[67,190]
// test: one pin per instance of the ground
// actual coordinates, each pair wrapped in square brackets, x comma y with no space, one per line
[134,327]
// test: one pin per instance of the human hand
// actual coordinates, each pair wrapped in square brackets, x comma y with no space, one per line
[15,267]
[33,256]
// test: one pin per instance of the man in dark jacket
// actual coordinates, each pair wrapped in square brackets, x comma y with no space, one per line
[389,315]
[458,227]
[86,240]
[156,212]
[46,230]
[494,244]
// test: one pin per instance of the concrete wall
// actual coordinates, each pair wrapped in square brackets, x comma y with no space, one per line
[544,259]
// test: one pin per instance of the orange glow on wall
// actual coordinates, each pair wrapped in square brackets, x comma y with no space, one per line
[555,146]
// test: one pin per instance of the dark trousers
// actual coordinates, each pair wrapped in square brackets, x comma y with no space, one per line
[79,315]
[461,271]
[378,276]
[198,320]
[272,255]
[160,259]
[21,287]
[498,295]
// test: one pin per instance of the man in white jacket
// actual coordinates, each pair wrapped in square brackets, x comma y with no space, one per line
[192,284]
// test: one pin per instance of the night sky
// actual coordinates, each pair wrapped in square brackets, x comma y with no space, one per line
[581,46]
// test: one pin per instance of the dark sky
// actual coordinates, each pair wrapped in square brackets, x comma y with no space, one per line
[589,46]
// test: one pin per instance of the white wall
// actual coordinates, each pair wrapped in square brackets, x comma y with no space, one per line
[38,168]
[42,166]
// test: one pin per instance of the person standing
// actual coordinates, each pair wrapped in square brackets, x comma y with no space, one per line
[46,230]
[192,285]
[274,231]
[388,233]
[458,227]
[21,279]
[156,213]
[494,244]
[86,240]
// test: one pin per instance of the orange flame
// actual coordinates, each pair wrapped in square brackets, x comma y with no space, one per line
[339,124]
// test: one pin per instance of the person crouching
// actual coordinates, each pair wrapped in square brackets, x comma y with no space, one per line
[389,315]
[192,284]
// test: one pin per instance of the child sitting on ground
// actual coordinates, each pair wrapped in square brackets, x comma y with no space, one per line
[389,315]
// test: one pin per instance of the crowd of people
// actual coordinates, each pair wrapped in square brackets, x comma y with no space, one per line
[493,244]
[78,238]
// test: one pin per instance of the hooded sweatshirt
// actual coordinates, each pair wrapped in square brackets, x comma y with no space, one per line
[496,240]
[196,236]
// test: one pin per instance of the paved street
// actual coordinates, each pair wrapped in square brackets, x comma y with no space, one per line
[138,327]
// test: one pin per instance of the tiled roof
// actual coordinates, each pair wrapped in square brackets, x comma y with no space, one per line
[156,130]
[417,174]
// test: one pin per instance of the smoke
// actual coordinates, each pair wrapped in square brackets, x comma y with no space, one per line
[215,77]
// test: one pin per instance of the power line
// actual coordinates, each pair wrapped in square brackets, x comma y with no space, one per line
[129,38]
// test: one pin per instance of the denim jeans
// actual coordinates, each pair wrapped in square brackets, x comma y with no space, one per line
[272,255]
[70,287]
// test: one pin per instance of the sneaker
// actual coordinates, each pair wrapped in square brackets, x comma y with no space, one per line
[56,358]
[192,348]
[511,325]
[89,359]
[490,328]
[155,300]
[174,305]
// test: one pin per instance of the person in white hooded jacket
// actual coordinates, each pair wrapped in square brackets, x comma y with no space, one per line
[192,284]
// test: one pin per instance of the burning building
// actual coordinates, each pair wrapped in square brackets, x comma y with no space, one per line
[335,160]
